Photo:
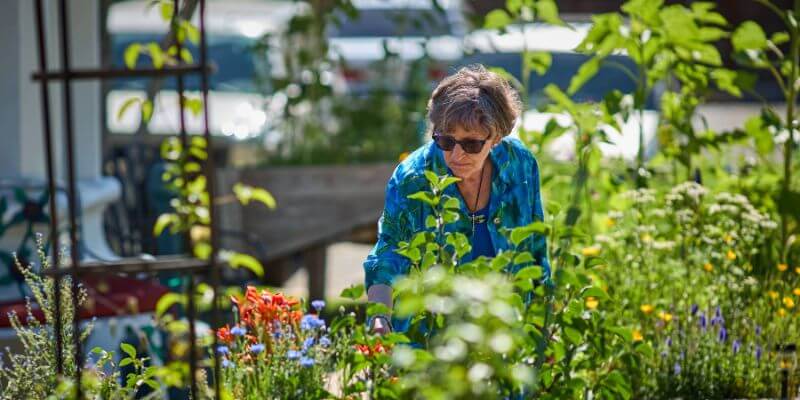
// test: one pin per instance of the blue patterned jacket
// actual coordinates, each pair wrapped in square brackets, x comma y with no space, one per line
[515,201]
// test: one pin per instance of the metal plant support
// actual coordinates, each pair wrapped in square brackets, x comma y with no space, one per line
[186,266]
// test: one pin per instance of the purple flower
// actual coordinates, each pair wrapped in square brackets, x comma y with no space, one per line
[677,368]
[223,350]
[663,354]
[306,362]
[238,331]
[668,342]
[257,348]
[318,305]
[694,309]
[758,330]
[324,341]
[293,354]
[703,322]
[723,334]
[758,352]
[736,346]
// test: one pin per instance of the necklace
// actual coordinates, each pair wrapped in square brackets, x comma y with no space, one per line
[477,218]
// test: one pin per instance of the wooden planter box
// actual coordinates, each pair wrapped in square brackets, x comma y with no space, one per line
[316,206]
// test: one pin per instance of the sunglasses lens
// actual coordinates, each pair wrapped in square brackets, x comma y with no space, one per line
[472,146]
[445,143]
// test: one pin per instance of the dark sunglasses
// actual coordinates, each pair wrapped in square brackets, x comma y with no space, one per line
[448,143]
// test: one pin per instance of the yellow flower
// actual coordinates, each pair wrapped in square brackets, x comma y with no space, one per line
[797,269]
[731,255]
[782,312]
[590,251]
[788,302]
[402,156]
[796,291]
[782,267]
[647,238]
[708,267]
[637,335]
[646,308]
[772,294]
[591,303]
[665,316]
[728,238]
[610,222]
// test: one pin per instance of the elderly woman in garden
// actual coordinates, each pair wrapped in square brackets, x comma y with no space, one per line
[471,114]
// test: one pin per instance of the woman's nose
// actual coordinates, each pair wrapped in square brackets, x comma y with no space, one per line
[458,152]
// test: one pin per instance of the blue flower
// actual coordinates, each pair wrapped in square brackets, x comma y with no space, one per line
[277,334]
[238,331]
[293,354]
[758,352]
[318,305]
[308,343]
[703,322]
[668,342]
[257,348]
[223,350]
[306,362]
[677,368]
[694,309]
[324,341]
[227,363]
[758,330]
[311,321]
[736,346]
[723,334]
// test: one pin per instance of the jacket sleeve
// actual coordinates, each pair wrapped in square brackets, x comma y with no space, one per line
[383,265]
[539,242]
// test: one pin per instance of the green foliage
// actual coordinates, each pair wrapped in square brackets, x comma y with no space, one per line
[31,373]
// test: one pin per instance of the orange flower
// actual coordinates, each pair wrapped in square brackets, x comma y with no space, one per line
[797,270]
[796,291]
[708,267]
[782,267]
[224,334]
[637,335]
[646,308]
[731,255]
[370,351]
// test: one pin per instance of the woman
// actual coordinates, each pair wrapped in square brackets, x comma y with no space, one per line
[470,116]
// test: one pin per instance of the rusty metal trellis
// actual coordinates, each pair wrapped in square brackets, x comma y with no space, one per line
[184,265]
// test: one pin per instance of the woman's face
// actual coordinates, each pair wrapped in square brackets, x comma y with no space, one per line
[464,164]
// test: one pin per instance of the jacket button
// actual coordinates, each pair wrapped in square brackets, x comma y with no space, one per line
[496,220]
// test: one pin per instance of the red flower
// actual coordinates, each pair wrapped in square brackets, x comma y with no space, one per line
[369,351]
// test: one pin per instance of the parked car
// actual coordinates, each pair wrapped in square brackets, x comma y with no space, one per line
[408,29]
[241,103]
[494,49]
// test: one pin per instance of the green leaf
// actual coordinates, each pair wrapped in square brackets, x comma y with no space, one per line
[538,61]
[754,127]
[167,301]
[749,36]
[163,221]
[433,179]
[156,55]
[573,334]
[147,111]
[131,55]
[126,105]
[167,9]
[523,258]
[237,260]
[779,38]
[586,72]
[195,105]
[128,349]
[125,361]
[625,333]
[534,272]
[377,308]
[497,19]
[548,12]
[353,292]
[202,250]
[247,193]
[594,292]
[425,197]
